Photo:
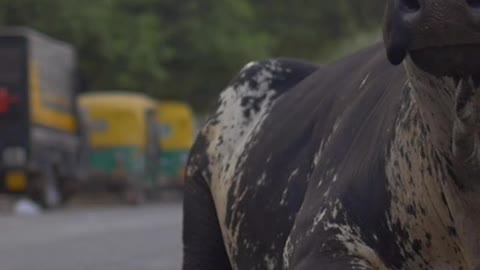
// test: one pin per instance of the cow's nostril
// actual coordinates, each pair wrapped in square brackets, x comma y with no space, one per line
[412,5]
[474,3]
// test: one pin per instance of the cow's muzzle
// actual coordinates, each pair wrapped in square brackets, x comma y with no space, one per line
[454,61]
[441,36]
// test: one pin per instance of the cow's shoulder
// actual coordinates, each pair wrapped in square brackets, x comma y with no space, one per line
[259,84]
[242,106]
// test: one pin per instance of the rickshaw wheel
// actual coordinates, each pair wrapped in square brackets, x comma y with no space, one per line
[135,196]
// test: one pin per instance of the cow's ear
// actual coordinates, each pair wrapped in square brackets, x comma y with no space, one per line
[395,34]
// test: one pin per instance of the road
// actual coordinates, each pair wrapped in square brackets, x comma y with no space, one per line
[115,238]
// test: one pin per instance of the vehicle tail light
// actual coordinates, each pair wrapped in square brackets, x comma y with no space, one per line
[6,100]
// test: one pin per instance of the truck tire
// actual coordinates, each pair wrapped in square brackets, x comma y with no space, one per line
[48,192]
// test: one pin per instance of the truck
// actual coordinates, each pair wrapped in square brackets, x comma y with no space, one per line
[43,149]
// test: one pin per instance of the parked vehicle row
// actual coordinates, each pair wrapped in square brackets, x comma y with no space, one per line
[56,136]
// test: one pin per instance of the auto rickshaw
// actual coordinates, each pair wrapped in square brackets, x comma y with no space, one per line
[176,123]
[123,138]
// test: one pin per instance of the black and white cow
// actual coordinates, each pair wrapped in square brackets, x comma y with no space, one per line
[359,164]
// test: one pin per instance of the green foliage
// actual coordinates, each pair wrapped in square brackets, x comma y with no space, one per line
[190,49]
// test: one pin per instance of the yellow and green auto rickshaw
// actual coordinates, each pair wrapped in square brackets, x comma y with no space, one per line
[123,137]
[176,123]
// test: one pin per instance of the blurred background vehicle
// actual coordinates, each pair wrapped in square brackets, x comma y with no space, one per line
[137,145]
[123,140]
[40,143]
[177,130]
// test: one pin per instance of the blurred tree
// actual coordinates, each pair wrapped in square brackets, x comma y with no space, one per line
[189,49]
[311,28]
[209,40]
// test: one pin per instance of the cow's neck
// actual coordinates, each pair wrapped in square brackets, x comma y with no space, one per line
[450,113]
[450,110]
[436,101]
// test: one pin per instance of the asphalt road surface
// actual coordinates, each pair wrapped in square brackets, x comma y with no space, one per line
[115,238]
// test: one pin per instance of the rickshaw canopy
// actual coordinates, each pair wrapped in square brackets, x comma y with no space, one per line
[117,118]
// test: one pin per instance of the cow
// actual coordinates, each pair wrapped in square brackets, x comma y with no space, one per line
[371,162]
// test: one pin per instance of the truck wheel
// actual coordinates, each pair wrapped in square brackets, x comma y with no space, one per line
[48,192]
